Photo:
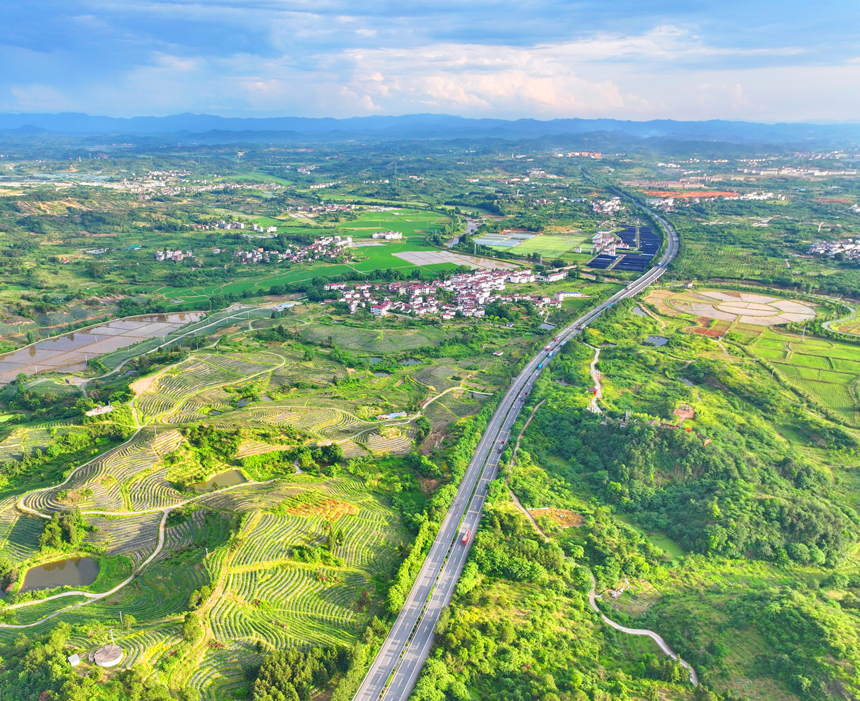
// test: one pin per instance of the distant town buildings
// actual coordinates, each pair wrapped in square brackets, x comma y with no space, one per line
[849,248]
[176,255]
[326,248]
[610,206]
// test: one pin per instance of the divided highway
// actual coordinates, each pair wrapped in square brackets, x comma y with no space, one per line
[395,670]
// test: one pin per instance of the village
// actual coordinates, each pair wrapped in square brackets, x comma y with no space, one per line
[465,294]
[326,248]
[848,249]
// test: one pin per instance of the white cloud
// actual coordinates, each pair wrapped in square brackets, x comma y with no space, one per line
[666,72]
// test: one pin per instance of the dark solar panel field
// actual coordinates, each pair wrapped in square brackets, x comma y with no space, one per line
[649,244]
[633,262]
[602,261]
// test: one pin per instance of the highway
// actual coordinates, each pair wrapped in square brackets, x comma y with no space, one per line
[395,670]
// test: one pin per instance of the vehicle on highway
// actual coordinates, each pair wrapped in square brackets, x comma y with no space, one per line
[540,366]
[466,535]
[548,347]
[551,353]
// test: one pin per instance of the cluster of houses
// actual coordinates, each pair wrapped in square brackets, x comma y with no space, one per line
[607,243]
[322,208]
[221,224]
[176,255]
[472,292]
[849,248]
[326,248]
[610,206]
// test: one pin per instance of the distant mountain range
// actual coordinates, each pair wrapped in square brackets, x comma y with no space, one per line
[211,128]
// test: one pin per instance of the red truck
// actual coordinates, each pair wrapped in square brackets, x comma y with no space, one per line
[466,537]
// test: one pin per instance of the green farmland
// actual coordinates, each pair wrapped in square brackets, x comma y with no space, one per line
[828,369]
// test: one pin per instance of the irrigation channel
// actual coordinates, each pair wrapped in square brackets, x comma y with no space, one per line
[395,669]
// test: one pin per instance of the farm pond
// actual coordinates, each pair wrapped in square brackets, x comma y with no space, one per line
[219,481]
[657,340]
[74,571]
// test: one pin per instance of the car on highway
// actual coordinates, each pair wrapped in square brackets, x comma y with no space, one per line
[465,538]
[540,366]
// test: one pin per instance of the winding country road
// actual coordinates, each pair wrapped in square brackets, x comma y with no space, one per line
[592,599]
[395,669]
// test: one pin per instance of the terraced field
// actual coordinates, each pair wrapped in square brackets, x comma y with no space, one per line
[244,541]
[829,370]
[166,393]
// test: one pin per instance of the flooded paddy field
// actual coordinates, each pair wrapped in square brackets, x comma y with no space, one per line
[70,352]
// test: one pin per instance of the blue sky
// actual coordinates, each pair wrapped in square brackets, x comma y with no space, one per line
[760,60]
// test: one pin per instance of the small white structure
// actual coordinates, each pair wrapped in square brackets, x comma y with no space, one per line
[108,656]
[74,660]
[388,235]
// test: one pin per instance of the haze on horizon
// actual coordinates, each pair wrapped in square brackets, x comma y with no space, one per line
[762,61]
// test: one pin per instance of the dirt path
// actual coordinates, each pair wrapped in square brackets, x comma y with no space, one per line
[595,375]
[514,498]
[850,317]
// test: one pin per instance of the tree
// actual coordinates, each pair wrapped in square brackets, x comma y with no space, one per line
[192,628]
[96,269]
[52,536]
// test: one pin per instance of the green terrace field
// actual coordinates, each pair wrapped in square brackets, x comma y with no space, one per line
[828,369]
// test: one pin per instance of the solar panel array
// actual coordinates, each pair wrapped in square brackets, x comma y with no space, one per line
[602,261]
[648,245]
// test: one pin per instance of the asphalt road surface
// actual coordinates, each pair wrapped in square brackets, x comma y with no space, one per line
[395,670]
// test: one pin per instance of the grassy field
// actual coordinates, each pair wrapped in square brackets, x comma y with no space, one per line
[550,245]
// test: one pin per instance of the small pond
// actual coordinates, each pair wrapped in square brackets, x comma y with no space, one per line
[657,340]
[74,572]
[244,402]
[638,311]
[219,481]
[411,361]
[381,374]
[687,382]
[372,359]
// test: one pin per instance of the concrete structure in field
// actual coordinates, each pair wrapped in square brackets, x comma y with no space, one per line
[108,656]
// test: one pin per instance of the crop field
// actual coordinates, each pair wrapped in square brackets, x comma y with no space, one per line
[850,326]
[411,223]
[169,390]
[374,341]
[551,245]
[248,542]
[829,370]
[705,261]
